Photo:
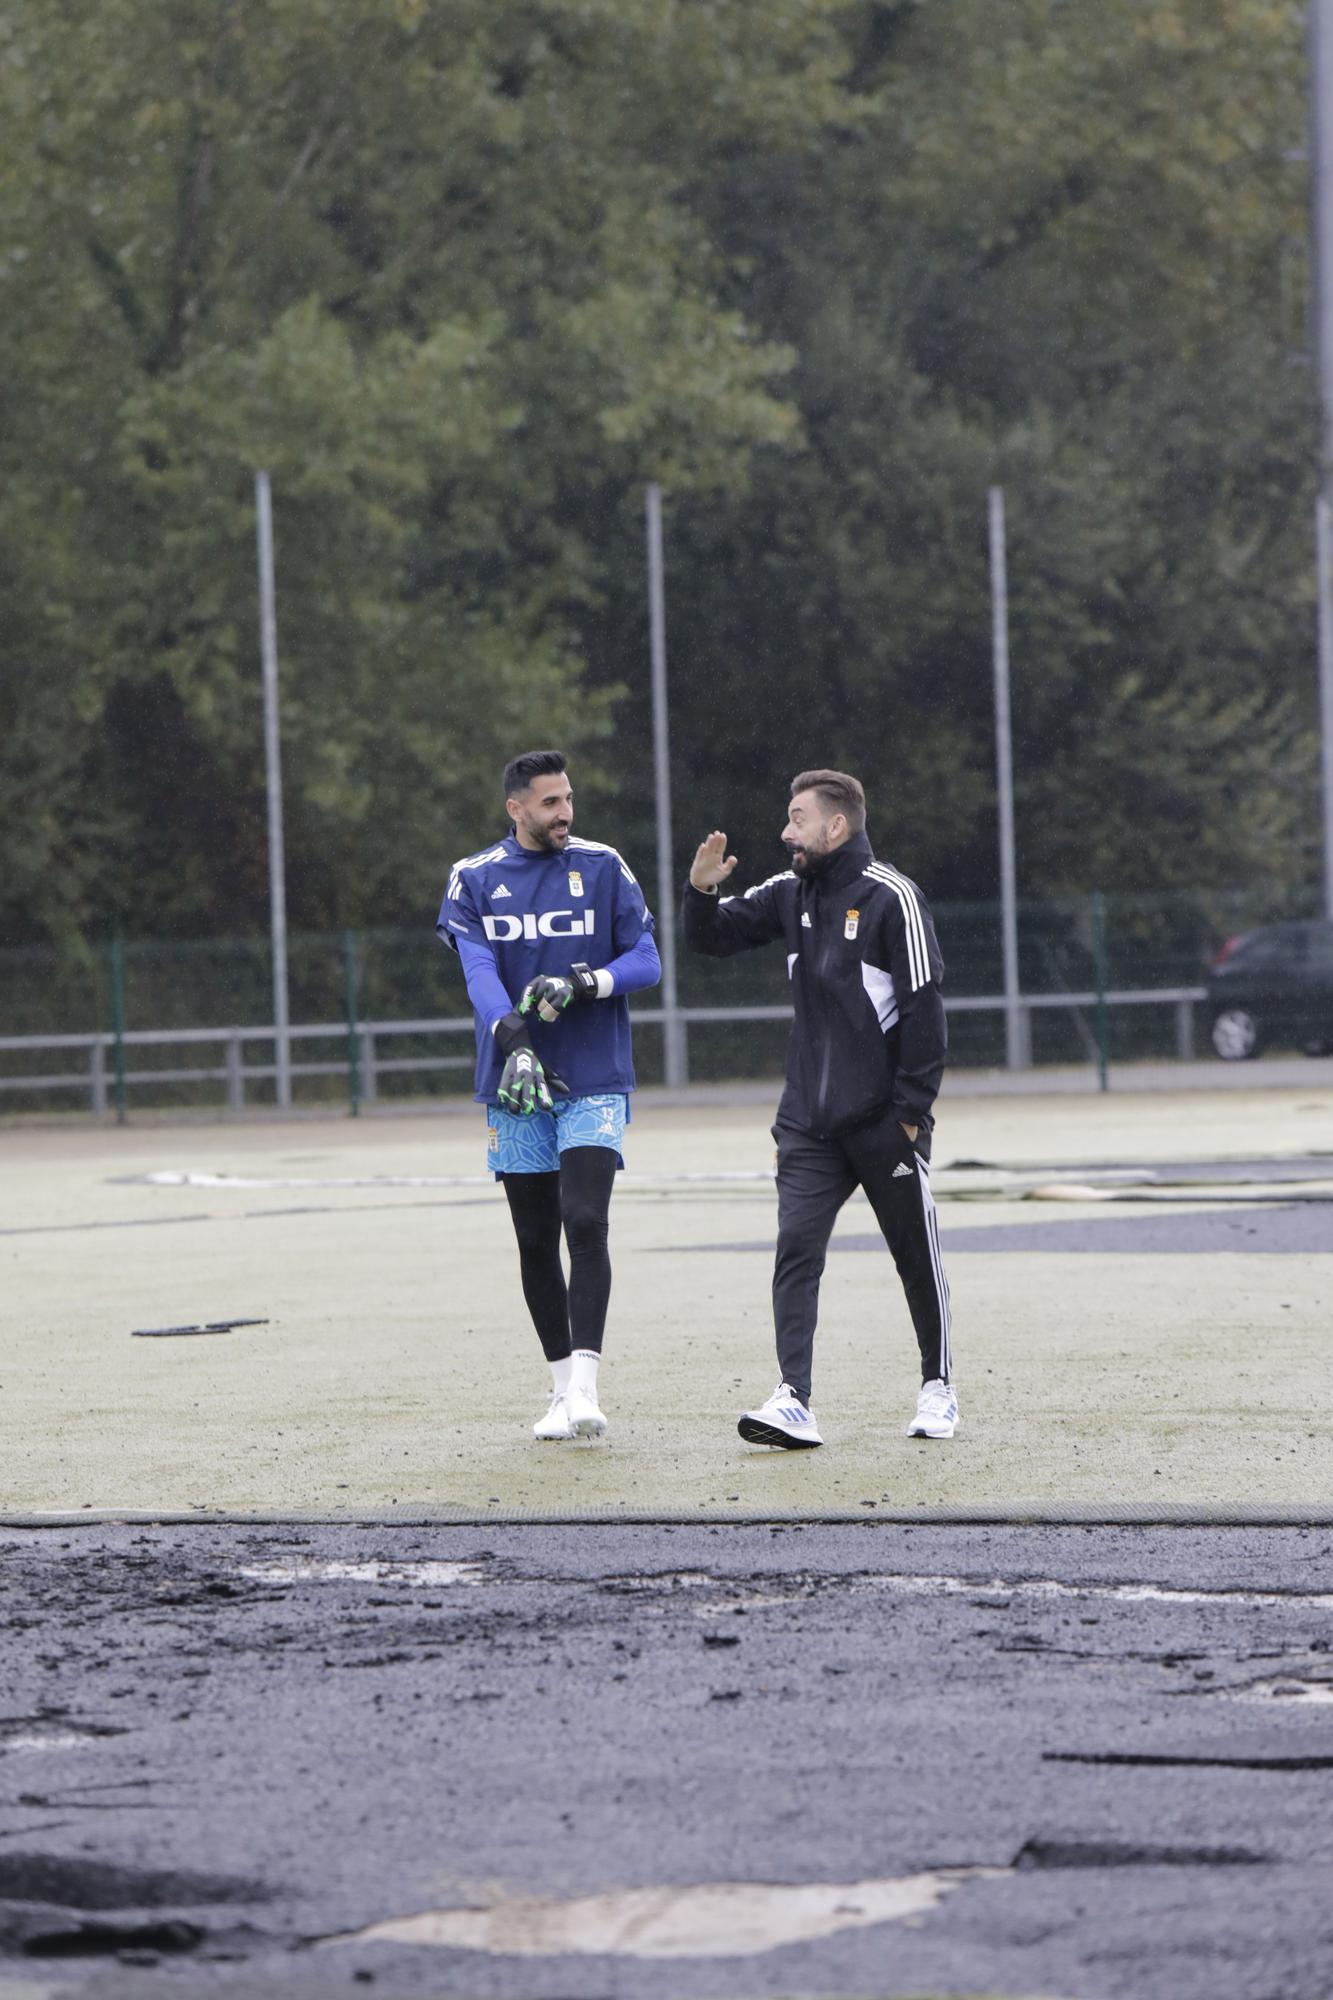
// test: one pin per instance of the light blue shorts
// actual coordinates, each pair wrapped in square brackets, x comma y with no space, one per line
[533,1145]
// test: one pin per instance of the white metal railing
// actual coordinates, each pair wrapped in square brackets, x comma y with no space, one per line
[105,1067]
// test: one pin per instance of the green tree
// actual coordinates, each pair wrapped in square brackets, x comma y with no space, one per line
[464,277]
[427,264]
[1061,249]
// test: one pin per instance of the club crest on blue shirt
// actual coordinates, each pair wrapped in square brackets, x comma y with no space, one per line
[575,882]
[849,929]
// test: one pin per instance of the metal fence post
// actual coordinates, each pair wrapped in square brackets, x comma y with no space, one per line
[1099,966]
[675,1047]
[1018,1041]
[277,868]
[350,1000]
[118,1020]
[1185,1030]
[97,1076]
[235,1072]
[368,1078]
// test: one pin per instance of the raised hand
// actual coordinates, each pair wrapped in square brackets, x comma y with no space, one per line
[712,864]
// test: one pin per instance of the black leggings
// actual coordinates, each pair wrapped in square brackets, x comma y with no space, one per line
[577,1198]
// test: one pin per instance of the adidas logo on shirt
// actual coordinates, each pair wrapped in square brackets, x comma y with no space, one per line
[901,1168]
[806,924]
[498,891]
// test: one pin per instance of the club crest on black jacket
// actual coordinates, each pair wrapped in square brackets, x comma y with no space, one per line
[869,1034]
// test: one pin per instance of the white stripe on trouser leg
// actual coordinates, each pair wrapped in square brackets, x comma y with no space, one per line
[937,1267]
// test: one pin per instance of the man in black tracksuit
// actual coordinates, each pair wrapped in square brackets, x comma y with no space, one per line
[863,1069]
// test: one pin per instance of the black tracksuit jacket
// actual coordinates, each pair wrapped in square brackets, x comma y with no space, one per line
[869,1037]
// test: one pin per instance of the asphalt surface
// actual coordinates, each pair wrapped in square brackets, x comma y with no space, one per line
[225,1751]
[1301,1230]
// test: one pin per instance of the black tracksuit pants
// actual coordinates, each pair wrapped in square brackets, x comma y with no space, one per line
[815,1178]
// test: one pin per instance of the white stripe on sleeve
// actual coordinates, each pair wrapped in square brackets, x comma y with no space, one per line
[918,956]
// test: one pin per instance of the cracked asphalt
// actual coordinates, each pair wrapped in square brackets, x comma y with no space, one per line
[225,1750]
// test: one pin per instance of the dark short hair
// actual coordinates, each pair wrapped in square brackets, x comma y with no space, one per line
[837,793]
[520,771]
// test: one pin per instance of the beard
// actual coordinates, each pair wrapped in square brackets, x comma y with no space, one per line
[553,839]
[807,862]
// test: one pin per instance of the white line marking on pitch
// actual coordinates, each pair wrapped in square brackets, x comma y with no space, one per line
[199,1179]
[998,1587]
[52,1739]
[1127,1593]
[1301,1694]
[710,1920]
[416,1575]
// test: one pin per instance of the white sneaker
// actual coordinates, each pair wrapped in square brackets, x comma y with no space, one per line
[585,1417]
[783,1420]
[555,1424]
[936,1411]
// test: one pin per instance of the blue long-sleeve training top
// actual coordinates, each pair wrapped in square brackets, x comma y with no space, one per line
[511,914]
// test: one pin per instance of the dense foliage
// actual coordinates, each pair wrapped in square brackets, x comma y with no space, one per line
[464,275]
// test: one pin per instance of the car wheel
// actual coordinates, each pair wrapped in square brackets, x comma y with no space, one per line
[1235,1034]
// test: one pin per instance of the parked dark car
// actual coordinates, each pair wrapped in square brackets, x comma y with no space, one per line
[1273,985]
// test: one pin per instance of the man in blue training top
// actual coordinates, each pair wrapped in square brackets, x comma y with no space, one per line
[553,933]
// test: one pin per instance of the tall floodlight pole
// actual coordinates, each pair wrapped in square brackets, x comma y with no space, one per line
[1015,1042]
[277,877]
[1321,153]
[1324,561]
[675,1066]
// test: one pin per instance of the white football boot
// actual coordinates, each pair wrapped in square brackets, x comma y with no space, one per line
[555,1424]
[584,1412]
[782,1420]
[936,1411]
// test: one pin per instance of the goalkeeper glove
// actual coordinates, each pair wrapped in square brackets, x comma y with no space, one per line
[525,1082]
[551,995]
[526,1085]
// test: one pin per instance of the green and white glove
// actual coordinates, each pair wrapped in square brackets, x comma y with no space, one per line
[525,1085]
[550,995]
[525,1081]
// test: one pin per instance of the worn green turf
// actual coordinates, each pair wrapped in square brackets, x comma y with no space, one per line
[398,1370]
